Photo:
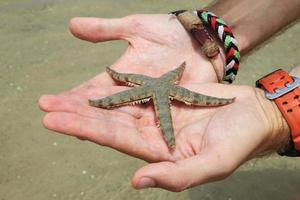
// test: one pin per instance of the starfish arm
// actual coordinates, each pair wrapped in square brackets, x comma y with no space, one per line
[163,113]
[174,75]
[132,96]
[129,79]
[193,98]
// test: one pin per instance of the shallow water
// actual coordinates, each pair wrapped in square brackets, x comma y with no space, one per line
[38,55]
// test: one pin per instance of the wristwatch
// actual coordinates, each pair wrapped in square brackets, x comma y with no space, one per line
[284,90]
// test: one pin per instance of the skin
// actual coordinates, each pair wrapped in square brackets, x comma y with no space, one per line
[206,139]
[146,46]
[161,90]
[210,143]
[247,16]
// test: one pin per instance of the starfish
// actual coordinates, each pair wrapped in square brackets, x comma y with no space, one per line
[161,90]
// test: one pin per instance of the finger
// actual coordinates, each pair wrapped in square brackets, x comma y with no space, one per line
[84,127]
[105,132]
[99,29]
[183,174]
[77,102]
[51,103]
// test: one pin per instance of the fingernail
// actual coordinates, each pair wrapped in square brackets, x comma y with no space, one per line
[145,182]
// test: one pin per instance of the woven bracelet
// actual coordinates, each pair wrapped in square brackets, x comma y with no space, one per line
[226,36]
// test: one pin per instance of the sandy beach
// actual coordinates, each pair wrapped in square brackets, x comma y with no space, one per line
[38,55]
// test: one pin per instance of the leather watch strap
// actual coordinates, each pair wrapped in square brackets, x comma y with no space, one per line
[285,91]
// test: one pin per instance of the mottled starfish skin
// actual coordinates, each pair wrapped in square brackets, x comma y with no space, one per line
[160,90]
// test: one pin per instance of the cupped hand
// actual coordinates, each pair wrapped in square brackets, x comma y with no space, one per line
[210,142]
[156,44]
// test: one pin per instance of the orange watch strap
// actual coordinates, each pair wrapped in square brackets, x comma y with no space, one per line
[287,97]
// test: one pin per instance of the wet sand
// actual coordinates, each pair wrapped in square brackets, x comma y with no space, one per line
[39,56]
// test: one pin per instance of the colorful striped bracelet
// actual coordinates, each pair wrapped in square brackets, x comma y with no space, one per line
[226,36]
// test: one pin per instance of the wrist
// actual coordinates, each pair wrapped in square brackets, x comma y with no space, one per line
[234,22]
[278,132]
[295,71]
[201,24]
[247,16]
[282,92]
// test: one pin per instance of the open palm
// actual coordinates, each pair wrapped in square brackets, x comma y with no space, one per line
[206,138]
[210,142]
[156,44]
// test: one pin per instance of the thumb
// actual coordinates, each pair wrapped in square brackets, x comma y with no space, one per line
[183,174]
[98,29]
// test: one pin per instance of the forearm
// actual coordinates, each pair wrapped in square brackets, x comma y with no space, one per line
[254,21]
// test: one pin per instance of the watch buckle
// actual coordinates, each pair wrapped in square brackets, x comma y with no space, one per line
[288,87]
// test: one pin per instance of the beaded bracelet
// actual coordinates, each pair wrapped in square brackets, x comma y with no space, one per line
[226,36]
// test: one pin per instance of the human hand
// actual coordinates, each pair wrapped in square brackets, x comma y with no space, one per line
[210,142]
[156,44]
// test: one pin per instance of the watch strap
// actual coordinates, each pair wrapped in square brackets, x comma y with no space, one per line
[285,91]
